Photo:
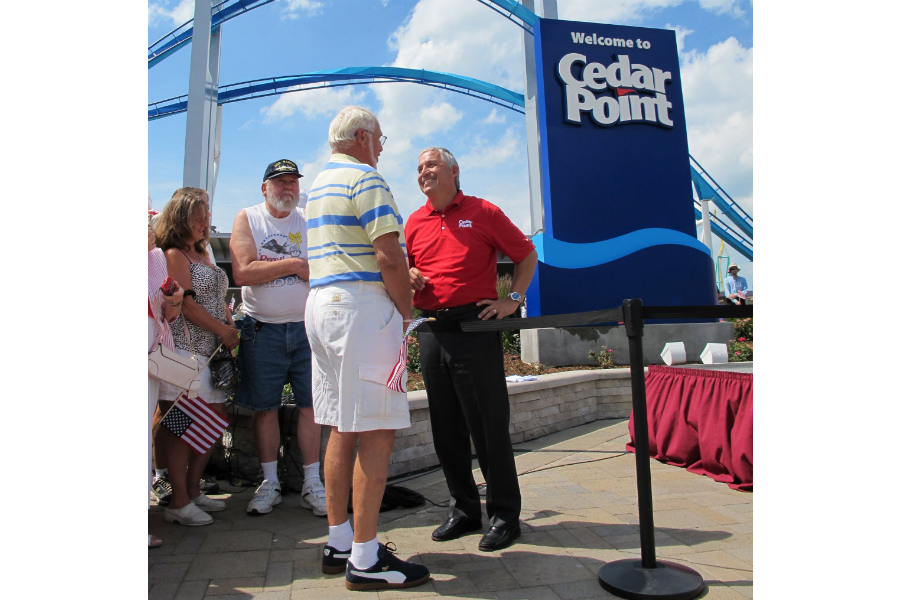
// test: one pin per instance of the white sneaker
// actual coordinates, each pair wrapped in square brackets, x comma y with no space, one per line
[312,496]
[267,495]
[188,515]
[208,504]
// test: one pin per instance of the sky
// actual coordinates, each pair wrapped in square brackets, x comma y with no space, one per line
[464,37]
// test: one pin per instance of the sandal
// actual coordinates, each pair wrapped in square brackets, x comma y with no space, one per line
[153,541]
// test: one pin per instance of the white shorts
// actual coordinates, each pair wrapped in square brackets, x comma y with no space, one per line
[355,333]
[210,395]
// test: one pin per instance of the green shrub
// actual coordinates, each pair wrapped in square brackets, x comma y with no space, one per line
[604,358]
[743,328]
[511,342]
[413,362]
[739,350]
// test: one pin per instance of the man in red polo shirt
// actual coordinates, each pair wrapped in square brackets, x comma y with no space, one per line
[452,243]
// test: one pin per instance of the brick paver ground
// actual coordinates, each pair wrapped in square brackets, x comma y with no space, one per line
[579,512]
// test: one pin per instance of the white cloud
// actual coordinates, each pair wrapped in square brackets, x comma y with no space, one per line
[494,117]
[489,154]
[626,12]
[471,41]
[311,169]
[718,98]
[722,7]
[680,34]
[313,103]
[623,12]
[181,13]
[296,8]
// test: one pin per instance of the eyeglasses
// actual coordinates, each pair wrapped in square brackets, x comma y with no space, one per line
[382,139]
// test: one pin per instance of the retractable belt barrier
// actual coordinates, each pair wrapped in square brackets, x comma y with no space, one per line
[647,577]
[610,315]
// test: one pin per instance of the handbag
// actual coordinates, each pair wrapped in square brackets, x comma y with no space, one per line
[180,371]
[224,369]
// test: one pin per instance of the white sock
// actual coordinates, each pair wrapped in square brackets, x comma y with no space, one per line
[270,471]
[162,472]
[311,473]
[364,555]
[340,537]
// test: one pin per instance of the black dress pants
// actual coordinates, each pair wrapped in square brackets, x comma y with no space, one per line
[467,396]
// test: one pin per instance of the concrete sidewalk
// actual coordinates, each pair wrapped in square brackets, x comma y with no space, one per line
[575,518]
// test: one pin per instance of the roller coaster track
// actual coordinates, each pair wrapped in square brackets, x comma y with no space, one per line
[706,186]
[728,235]
[513,11]
[179,37]
[708,189]
[349,76]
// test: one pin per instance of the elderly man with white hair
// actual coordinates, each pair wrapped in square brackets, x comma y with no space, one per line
[358,307]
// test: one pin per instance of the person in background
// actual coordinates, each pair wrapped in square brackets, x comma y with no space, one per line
[270,260]
[183,234]
[357,310]
[736,287]
[452,243]
[161,309]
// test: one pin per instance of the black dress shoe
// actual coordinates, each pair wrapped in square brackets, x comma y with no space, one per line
[454,527]
[499,537]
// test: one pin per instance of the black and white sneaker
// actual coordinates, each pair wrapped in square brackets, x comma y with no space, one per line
[388,573]
[162,490]
[334,561]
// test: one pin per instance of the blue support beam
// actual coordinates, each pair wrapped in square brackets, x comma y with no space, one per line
[728,235]
[515,12]
[179,37]
[349,76]
[708,189]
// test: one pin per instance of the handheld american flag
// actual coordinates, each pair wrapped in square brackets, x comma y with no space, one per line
[395,381]
[195,423]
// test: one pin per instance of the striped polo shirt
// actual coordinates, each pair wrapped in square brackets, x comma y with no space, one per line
[350,205]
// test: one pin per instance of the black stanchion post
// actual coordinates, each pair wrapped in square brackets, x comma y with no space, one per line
[634,329]
[647,578]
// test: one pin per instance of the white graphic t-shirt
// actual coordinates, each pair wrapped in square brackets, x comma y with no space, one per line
[284,299]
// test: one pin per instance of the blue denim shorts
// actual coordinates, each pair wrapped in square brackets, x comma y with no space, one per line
[270,356]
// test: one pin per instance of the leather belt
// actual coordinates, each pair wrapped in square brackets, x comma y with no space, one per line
[451,313]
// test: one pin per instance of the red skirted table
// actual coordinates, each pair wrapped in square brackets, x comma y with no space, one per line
[701,420]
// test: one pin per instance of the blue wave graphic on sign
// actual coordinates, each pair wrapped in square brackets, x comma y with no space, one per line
[568,255]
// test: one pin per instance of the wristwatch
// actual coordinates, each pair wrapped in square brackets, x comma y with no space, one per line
[515,296]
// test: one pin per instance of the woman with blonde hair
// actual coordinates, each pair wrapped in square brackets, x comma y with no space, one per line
[183,235]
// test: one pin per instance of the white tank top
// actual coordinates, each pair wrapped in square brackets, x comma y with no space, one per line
[282,300]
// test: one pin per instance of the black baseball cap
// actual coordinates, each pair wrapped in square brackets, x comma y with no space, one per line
[280,167]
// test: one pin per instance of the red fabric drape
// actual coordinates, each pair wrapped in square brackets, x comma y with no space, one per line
[701,420]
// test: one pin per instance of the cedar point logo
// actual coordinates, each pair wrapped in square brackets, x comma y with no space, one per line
[640,91]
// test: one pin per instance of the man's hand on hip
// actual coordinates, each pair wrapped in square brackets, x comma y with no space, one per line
[497,308]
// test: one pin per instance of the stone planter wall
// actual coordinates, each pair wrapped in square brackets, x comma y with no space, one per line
[552,403]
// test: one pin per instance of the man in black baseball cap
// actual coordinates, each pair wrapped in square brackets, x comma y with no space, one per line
[270,261]
[281,167]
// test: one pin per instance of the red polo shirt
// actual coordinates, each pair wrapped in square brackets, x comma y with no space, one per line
[457,249]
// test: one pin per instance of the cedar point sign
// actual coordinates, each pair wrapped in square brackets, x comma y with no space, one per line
[615,175]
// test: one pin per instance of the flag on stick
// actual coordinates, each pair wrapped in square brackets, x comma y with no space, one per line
[195,423]
[395,381]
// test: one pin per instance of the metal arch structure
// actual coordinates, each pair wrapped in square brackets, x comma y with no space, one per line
[179,37]
[732,238]
[515,12]
[349,76]
[522,15]
[708,189]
